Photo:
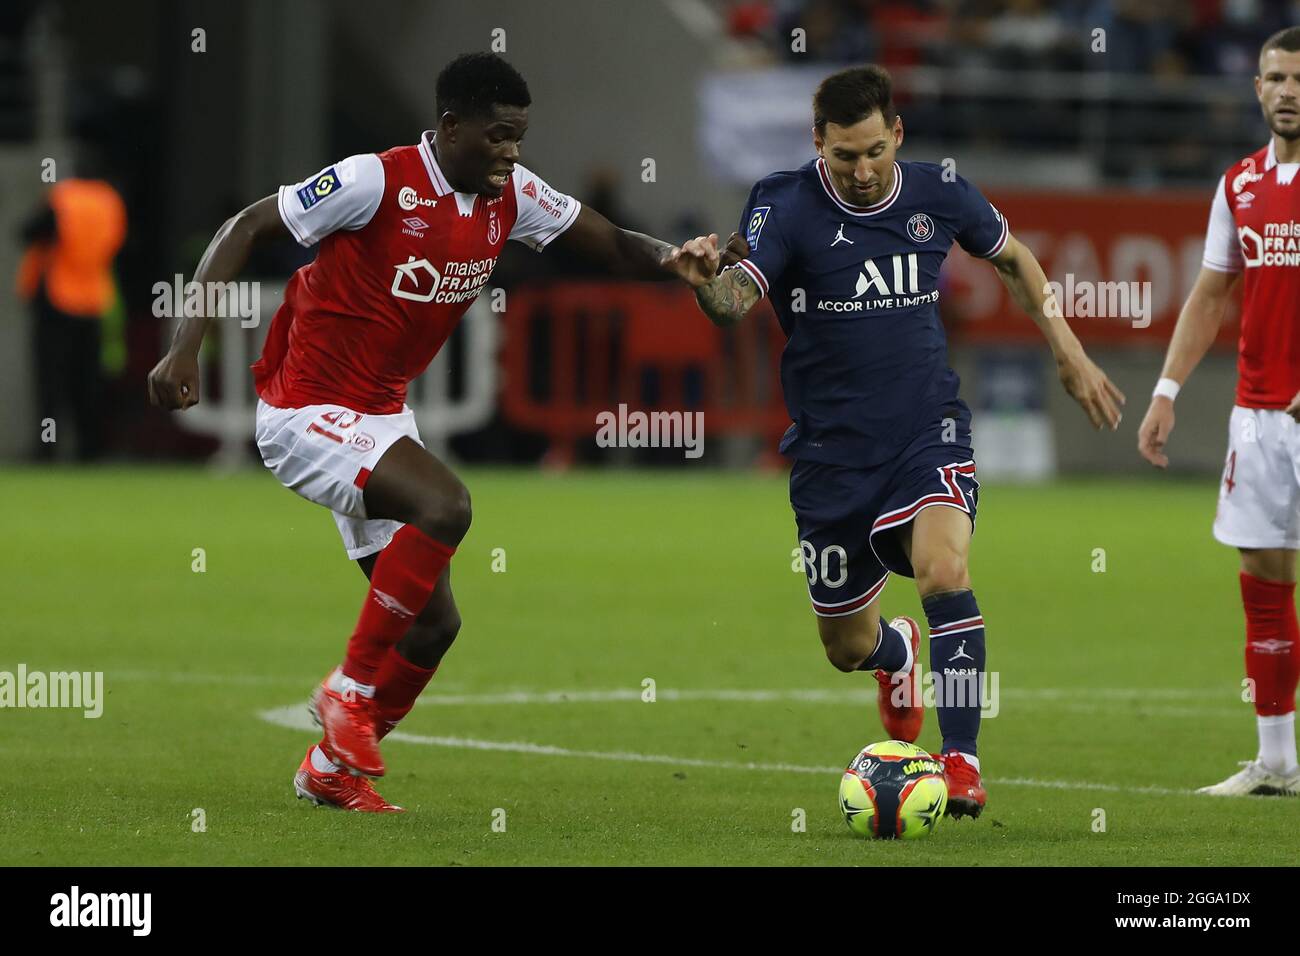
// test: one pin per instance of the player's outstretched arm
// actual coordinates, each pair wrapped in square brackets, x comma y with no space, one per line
[1083,380]
[634,255]
[1198,324]
[174,381]
[726,298]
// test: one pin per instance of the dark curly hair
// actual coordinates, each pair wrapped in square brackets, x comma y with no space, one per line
[473,83]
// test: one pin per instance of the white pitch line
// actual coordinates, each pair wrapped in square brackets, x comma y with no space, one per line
[188,677]
[1076,700]
[1066,698]
[740,694]
[295,717]
[803,696]
[198,677]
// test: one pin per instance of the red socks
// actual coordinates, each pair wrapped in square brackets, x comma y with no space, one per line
[401,583]
[397,685]
[1272,644]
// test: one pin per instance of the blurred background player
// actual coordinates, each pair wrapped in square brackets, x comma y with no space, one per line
[1254,235]
[66,275]
[408,239]
[848,249]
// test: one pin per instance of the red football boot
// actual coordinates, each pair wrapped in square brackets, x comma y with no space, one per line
[966,794]
[899,700]
[341,790]
[349,724]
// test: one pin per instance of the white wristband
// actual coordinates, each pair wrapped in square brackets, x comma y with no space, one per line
[1166,387]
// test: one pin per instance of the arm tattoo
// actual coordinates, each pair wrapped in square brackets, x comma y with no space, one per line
[726,298]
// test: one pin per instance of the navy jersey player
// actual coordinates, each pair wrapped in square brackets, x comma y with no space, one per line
[848,250]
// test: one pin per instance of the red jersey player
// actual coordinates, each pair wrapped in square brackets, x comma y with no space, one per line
[407,238]
[1254,233]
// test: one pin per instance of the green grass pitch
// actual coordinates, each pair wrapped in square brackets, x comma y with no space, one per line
[1119,689]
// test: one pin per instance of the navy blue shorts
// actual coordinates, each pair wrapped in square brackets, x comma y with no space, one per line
[848,518]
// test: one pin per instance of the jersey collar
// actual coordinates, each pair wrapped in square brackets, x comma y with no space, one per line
[875,208]
[440,184]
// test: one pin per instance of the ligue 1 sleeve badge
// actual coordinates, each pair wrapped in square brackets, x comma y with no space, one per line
[920,227]
[754,227]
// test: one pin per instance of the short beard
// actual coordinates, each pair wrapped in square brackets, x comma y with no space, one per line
[1288,135]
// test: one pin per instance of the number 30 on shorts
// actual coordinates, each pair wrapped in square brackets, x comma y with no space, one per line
[833,573]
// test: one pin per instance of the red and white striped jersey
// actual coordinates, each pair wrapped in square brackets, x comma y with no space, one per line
[402,255]
[1255,229]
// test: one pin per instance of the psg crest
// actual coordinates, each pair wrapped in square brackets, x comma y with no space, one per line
[920,227]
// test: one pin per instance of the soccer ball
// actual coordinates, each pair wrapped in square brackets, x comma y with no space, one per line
[893,789]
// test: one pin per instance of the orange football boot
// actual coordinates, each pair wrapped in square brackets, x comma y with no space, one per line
[340,790]
[348,720]
[899,699]
[966,794]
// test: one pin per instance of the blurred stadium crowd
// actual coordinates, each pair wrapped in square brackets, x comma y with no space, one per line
[1017,88]
[1157,37]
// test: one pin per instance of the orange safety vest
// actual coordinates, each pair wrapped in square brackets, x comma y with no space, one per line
[77,267]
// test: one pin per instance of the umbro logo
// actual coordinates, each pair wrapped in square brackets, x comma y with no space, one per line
[390,603]
[415,226]
[1270,646]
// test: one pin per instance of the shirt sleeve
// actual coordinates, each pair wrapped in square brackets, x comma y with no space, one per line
[342,196]
[983,231]
[1222,253]
[769,246]
[543,213]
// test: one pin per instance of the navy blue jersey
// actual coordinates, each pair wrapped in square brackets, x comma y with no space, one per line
[856,289]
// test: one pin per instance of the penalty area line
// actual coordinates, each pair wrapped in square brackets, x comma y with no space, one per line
[295,717]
